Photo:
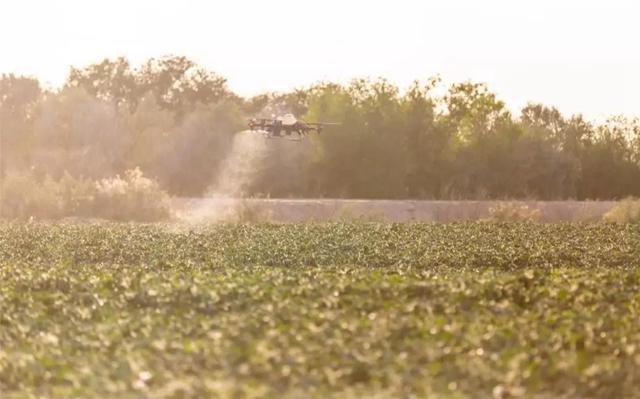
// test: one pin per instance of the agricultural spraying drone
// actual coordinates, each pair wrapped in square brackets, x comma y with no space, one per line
[285,125]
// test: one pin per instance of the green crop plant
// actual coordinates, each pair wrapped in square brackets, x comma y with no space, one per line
[319,310]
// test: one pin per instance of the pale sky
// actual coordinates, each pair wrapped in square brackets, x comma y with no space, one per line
[581,56]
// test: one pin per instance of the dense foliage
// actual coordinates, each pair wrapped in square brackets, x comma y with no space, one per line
[131,197]
[460,310]
[175,121]
[627,211]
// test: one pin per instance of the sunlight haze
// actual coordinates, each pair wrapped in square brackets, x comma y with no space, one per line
[581,56]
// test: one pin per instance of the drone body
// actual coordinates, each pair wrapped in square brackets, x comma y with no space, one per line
[285,125]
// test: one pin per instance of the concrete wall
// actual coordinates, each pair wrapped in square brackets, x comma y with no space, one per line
[301,210]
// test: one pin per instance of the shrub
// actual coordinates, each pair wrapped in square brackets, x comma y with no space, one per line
[627,211]
[133,197]
[24,196]
[77,196]
[512,212]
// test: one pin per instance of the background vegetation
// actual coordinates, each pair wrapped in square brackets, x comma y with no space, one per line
[132,197]
[175,121]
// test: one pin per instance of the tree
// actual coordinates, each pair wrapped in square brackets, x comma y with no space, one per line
[110,80]
[78,133]
[178,84]
[190,155]
[428,146]
[610,161]
[483,130]
[473,111]
[19,98]
[176,121]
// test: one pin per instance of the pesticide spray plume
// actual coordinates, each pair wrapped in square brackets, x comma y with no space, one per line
[238,169]
[225,195]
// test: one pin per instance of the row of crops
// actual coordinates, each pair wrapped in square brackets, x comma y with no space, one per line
[456,310]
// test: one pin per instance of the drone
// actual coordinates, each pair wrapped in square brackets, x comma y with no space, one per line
[285,125]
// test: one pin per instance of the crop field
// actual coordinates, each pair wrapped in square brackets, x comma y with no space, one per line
[320,310]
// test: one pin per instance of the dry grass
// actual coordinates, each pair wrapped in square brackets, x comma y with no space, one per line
[132,197]
[512,212]
[627,211]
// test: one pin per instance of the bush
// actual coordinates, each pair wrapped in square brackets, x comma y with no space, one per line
[512,212]
[77,196]
[133,197]
[25,196]
[627,211]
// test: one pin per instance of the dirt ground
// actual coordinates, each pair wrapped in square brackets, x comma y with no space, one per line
[303,210]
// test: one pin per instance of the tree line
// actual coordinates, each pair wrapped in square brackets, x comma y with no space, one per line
[175,121]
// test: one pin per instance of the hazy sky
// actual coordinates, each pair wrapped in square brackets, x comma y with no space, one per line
[581,56]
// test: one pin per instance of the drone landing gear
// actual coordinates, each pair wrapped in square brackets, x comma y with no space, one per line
[272,137]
